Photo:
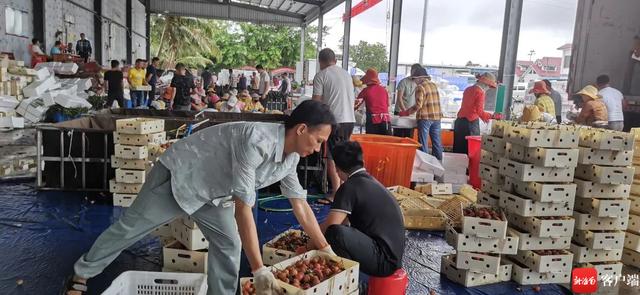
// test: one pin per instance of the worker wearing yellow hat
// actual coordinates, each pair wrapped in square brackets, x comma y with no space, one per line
[543,100]
[593,109]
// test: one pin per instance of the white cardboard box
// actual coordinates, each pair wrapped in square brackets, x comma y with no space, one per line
[606,139]
[487,228]
[545,263]
[494,144]
[133,164]
[123,200]
[544,192]
[490,174]
[588,189]
[469,278]
[130,176]
[491,188]
[605,174]
[587,221]
[584,254]
[139,126]
[527,241]
[529,172]
[632,241]
[271,256]
[488,200]
[177,257]
[124,188]
[634,223]
[634,206]
[436,189]
[605,269]
[545,157]
[490,158]
[422,176]
[467,242]
[529,208]
[163,231]
[603,208]
[526,276]
[131,152]
[478,262]
[11,122]
[589,156]
[564,137]
[608,240]
[630,257]
[544,226]
[140,139]
[192,239]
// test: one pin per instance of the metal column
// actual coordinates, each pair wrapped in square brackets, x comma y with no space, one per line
[303,39]
[346,35]
[97,31]
[424,29]
[509,50]
[147,25]
[319,40]
[129,37]
[395,45]
[38,20]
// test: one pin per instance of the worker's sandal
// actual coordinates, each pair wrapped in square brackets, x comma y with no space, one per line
[70,285]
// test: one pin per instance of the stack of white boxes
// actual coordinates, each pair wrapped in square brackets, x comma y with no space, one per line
[131,157]
[425,168]
[455,170]
[188,251]
[604,179]
[494,147]
[538,196]
[631,251]
[479,244]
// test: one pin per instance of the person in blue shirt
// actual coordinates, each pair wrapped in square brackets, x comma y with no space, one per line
[56,48]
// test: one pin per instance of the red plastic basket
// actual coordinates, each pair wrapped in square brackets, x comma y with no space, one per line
[474,145]
[388,158]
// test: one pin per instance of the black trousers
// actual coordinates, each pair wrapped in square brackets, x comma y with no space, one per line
[402,132]
[383,128]
[461,129]
[84,56]
[352,244]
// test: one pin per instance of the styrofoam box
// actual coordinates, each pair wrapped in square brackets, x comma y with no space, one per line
[472,279]
[583,254]
[588,189]
[489,173]
[544,192]
[603,208]
[437,189]
[545,263]
[130,176]
[131,151]
[123,200]
[630,257]
[455,162]
[490,158]
[494,144]
[566,137]
[176,257]
[344,282]
[607,139]
[634,206]
[489,200]
[486,228]
[271,256]
[163,231]
[428,163]
[525,276]
[605,174]
[455,178]
[192,239]
[140,139]
[132,164]
[527,241]
[589,222]
[589,156]
[544,226]
[422,176]
[634,223]
[632,241]
[529,172]
[527,207]
[139,126]
[155,283]
[124,188]
[491,188]
[545,157]
[478,262]
[608,240]
[466,242]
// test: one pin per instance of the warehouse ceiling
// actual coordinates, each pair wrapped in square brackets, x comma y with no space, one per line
[278,12]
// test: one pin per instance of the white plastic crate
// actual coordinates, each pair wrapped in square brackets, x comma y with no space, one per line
[589,156]
[123,200]
[529,172]
[586,221]
[132,164]
[528,208]
[140,139]
[603,208]
[490,158]
[606,240]
[605,174]
[606,139]
[634,204]
[478,262]
[583,254]
[131,152]
[436,189]
[527,241]
[271,256]
[486,228]
[588,189]
[544,226]
[566,137]
[632,241]
[488,200]
[494,144]
[491,188]
[130,176]
[158,283]
[523,275]
[124,188]
[545,263]
[139,126]
[469,278]
[490,173]
[545,157]
[463,242]
[544,192]
[344,282]
[630,257]
[192,239]
[176,257]
[634,223]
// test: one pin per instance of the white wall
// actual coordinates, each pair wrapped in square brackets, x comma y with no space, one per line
[55,13]
[114,34]
[139,43]
[17,44]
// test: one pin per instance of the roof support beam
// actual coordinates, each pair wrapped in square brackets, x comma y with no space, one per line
[396,21]
[312,2]
[509,50]
[346,36]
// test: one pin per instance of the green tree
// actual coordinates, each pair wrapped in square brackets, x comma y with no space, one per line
[184,39]
[370,55]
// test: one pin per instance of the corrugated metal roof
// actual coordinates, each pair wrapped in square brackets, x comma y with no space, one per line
[282,12]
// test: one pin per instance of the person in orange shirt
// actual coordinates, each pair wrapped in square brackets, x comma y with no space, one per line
[594,111]
[471,110]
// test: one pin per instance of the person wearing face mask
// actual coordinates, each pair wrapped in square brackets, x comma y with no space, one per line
[255,155]
[472,110]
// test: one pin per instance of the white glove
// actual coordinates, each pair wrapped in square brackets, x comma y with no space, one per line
[265,282]
[328,250]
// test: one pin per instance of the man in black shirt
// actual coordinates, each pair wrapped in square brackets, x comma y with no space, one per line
[152,80]
[207,79]
[242,82]
[376,237]
[183,85]
[113,84]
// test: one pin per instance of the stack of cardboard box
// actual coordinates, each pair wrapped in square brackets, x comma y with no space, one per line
[631,251]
